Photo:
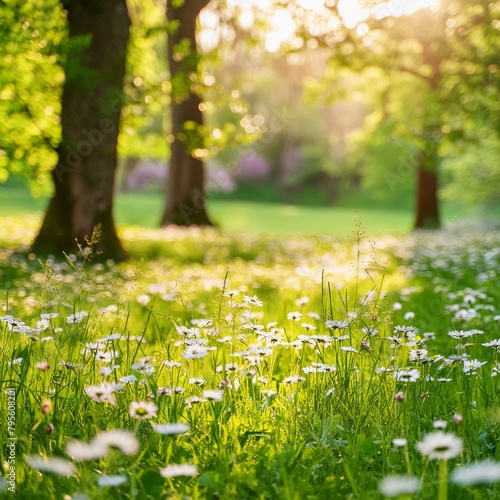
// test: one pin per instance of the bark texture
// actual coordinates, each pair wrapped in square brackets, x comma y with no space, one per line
[185,189]
[82,204]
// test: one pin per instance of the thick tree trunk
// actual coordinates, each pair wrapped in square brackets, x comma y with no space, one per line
[185,189]
[427,206]
[82,204]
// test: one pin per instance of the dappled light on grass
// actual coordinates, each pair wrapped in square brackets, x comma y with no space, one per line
[256,366]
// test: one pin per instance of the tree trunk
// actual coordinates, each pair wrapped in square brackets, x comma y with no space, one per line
[81,209]
[427,209]
[185,189]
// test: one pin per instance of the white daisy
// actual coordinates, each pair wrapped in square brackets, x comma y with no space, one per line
[142,410]
[103,393]
[476,473]
[79,450]
[125,441]
[440,445]
[169,429]
[175,470]
[111,480]
[399,442]
[212,395]
[55,465]
[294,316]
[394,486]
[407,375]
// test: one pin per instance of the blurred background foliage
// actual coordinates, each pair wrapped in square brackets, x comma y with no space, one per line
[304,102]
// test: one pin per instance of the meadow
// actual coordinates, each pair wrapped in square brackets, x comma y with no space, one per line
[234,365]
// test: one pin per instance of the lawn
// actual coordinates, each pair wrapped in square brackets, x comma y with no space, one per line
[237,365]
[243,216]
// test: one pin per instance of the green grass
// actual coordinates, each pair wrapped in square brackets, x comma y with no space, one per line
[145,210]
[326,435]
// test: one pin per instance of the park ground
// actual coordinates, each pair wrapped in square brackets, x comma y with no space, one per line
[358,362]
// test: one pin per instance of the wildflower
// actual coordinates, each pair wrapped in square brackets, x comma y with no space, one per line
[124,441]
[348,349]
[407,375]
[463,334]
[110,338]
[409,315]
[202,323]
[440,445]
[324,368]
[383,369]
[394,486]
[128,379]
[69,366]
[476,473]
[252,301]
[49,428]
[105,480]
[229,367]
[465,315]
[144,368]
[46,406]
[302,301]
[48,316]
[77,317]
[399,396]
[213,395]
[196,381]
[314,315]
[195,352]
[457,419]
[370,331]
[294,316]
[43,366]
[193,400]
[293,380]
[43,324]
[365,346]
[172,364]
[335,324]
[439,424]
[308,326]
[329,392]
[470,366]
[419,356]
[397,306]
[142,410]
[399,442]
[106,371]
[55,465]
[79,450]
[494,343]
[188,332]
[169,429]
[144,299]
[268,393]
[103,393]
[175,470]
